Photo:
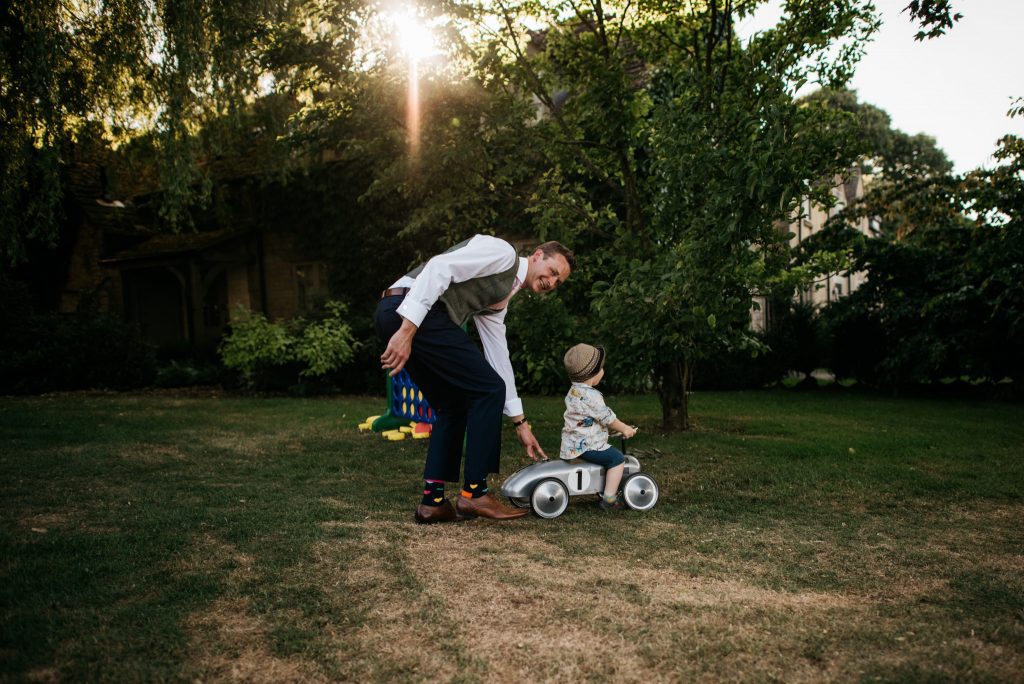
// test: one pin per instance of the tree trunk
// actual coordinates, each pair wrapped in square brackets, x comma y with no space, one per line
[673,381]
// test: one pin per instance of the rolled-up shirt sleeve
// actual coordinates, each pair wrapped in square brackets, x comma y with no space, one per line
[599,410]
[484,255]
[492,336]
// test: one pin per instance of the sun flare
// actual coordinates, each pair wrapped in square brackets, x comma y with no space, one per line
[414,37]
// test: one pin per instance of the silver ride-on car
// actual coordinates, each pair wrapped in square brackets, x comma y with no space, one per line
[547,485]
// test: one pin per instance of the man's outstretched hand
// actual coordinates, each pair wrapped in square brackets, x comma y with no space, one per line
[526,438]
[399,348]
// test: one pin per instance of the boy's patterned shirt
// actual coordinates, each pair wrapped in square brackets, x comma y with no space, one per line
[586,421]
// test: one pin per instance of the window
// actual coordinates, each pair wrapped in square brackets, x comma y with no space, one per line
[310,285]
[215,302]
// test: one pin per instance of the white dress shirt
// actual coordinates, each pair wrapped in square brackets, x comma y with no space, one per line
[482,256]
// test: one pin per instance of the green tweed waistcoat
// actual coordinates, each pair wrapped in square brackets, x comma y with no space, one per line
[475,297]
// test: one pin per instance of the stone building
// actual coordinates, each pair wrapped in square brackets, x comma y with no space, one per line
[180,289]
[808,219]
[811,218]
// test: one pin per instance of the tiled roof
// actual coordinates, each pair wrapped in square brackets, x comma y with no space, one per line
[174,244]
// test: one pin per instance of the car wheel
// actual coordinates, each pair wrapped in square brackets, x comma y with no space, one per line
[640,491]
[550,498]
[519,502]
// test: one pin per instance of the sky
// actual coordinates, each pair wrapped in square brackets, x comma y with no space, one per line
[956,88]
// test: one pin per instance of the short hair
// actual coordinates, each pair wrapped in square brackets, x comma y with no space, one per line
[551,248]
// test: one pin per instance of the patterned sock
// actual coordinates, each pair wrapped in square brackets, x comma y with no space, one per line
[609,498]
[433,492]
[474,489]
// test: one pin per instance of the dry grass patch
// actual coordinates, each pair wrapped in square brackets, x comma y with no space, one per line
[518,615]
[764,561]
[228,640]
[210,553]
[43,675]
[41,523]
[594,617]
[525,609]
[230,644]
[151,454]
[490,602]
[239,443]
[401,634]
[71,450]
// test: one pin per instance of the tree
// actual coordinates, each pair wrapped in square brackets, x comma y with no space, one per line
[946,299]
[132,69]
[934,16]
[911,181]
[475,168]
[672,150]
[944,296]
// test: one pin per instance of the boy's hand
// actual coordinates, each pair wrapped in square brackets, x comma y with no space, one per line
[626,431]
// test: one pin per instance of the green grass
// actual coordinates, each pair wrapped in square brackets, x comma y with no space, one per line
[828,535]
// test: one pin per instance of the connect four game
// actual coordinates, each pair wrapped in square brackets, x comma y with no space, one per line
[408,413]
[407,400]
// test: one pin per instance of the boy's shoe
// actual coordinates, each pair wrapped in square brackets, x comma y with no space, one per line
[618,505]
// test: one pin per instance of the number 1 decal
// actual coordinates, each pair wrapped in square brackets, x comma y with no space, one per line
[580,482]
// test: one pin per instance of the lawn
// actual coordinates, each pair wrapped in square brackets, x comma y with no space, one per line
[800,536]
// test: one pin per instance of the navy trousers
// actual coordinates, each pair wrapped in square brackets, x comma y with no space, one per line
[466,394]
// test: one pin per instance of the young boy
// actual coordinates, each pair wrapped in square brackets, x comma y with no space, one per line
[587,420]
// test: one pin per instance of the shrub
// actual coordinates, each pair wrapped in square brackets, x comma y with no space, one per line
[857,340]
[188,373]
[325,345]
[269,353]
[733,370]
[51,352]
[796,340]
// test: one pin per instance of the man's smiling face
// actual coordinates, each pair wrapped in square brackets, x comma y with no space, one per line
[545,273]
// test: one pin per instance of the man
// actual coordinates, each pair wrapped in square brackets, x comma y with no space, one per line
[420,317]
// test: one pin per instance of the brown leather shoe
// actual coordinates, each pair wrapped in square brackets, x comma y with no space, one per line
[487,506]
[427,515]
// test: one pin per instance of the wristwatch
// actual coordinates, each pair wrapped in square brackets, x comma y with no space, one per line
[517,423]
